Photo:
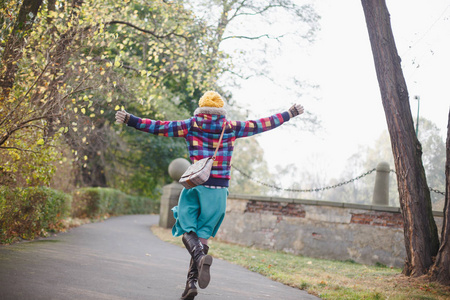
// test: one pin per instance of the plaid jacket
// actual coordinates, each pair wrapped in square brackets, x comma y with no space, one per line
[202,132]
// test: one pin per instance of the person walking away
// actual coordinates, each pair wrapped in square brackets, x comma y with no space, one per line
[201,209]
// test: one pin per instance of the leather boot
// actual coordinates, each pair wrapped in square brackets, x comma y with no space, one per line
[201,260]
[190,290]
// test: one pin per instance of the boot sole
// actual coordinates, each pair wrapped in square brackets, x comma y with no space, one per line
[190,295]
[203,271]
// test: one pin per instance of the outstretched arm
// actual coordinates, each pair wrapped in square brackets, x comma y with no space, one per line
[249,128]
[163,128]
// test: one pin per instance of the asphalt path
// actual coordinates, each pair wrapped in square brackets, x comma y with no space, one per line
[120,258]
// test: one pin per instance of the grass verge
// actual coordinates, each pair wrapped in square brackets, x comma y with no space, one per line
[326,279]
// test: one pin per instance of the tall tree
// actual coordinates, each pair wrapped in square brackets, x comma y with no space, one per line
[76,69]
[420,232]
[15,44]
[225,19]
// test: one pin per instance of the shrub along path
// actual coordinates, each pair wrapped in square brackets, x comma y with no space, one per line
[120,258]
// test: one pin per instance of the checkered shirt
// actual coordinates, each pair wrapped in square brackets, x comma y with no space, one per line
[202,133]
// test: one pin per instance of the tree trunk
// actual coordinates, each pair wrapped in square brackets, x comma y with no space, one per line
[15,44]
[441,269]
[421,237]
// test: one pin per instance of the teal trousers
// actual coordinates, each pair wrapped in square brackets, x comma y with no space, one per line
[200,209]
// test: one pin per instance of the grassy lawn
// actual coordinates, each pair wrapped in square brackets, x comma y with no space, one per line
[326,279]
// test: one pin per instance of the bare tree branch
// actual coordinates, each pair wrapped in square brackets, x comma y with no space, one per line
[145,30]
[257,11]
[23,125]
[254,37]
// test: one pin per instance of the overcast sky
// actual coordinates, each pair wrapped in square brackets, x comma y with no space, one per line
[349,104]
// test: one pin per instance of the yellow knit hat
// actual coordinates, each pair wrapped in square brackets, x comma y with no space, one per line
[211,99]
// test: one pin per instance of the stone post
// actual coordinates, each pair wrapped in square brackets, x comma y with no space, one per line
[381,189]
[171,192]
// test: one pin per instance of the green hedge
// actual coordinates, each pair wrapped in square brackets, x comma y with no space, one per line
[31,212]
[27,213]
[95,202]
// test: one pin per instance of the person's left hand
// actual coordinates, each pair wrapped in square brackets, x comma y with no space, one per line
[295,110]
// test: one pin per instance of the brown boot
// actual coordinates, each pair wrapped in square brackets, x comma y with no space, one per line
[202,260]
[190,290]
[191,283]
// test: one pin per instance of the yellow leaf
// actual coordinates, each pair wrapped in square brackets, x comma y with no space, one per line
[40,142]
[83,110]
[117,107]
[85,157]
[102,111]
[75,109]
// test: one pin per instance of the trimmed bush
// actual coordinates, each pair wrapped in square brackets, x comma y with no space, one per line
[31,212]
[96,202]
[27,213]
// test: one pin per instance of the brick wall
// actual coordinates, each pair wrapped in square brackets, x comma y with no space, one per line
[276,208]
[386,219]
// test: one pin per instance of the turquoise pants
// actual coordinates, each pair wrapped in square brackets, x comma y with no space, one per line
[200,209]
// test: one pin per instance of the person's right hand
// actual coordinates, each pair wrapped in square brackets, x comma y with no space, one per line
[295,110]
[122,116]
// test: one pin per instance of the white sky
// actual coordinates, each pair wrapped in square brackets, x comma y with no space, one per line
[349,102]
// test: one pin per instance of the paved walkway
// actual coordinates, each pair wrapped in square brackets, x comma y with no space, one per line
[120,259]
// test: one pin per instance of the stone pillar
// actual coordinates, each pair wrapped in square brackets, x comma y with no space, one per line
[171,192]
[381,189]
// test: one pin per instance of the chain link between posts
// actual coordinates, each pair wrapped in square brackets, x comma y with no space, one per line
[438,192]
[317,189]
[304,190]
[431,189]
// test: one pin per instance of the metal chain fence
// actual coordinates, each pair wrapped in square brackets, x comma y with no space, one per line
[317,189]
[436,191]
[431,189]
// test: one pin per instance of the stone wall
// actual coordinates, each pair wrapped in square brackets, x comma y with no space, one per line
[366,234]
